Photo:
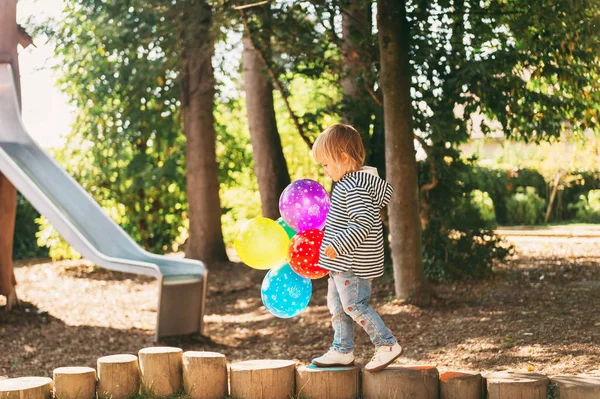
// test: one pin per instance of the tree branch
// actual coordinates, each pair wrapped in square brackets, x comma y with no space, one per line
[434,175]
[276,82]
[374,95]
[260,3]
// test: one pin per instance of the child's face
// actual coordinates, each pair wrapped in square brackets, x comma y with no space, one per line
[335,170]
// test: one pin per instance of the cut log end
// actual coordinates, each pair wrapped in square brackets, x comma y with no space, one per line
[575,386]
[26,388]
[327,383]
[75,383]
[159,350]
[265,379]
[461,385]
[421,380]
[118,376]
[124,358]
[508,384]
[161,370]
[204,375]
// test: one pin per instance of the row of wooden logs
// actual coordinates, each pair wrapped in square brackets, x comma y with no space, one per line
[168,372]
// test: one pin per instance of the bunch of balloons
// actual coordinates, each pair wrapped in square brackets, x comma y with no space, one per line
[288,246]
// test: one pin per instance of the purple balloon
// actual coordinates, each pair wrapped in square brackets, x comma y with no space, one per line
[304,205]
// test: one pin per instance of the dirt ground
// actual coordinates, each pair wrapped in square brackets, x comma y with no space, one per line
[540,311]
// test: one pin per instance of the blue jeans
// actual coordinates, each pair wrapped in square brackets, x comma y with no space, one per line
[347,297]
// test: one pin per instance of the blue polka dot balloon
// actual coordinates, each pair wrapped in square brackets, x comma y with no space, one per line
[285,293]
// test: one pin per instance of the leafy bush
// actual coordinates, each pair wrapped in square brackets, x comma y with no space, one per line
[502,183]
[525,207]
[24,244]
[587,209]
[586,181]
[457,241]
[484,203]
[58,248]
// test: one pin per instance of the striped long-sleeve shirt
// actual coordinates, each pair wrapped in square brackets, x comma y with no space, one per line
[354,227]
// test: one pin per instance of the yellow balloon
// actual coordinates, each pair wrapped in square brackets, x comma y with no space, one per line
[262,243]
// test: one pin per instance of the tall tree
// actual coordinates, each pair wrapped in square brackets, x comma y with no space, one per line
[401,168]
[8,192]
[357,64]
[269,162]
[135,69]
[197,95]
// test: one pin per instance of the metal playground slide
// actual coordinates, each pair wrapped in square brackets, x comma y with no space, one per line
[86,227]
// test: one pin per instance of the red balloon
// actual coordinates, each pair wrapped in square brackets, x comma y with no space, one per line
[303,253]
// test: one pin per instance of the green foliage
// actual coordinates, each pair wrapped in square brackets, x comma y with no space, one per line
[540,77]
[24,244]
[48,237]
[461,255]
[525,207]
[484,203]
[457,240]
[587,209]
[127,148]
[501,183]
[121,59]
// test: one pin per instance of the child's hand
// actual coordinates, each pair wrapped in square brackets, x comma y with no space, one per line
[330,252]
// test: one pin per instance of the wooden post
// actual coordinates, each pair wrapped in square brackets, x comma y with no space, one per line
[461,385]
[327,383]
[118,376]
[509,384]
[161,369]
[9,39]
[401,382]
[204,375]
[74,383]
[26,388]
[263,379]
[8,193]
[575,387]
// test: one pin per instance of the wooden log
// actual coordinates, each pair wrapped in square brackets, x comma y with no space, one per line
[401,382]
[575,387]
[26,388]
[510,384]
[262,379]
[461,385]
[118,376]
[161,370]
[74,383]
[204,375]
[327,383]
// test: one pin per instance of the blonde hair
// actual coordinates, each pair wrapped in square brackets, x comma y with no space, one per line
[336,140]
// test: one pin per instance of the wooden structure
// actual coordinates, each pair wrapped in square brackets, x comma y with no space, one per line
[167,371]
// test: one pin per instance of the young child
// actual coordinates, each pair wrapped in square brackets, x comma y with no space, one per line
[352,247]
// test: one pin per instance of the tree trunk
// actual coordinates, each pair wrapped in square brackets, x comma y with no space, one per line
[356,35]
[269,163]
[198,89]
[557,178]
[8,192]
[401,166]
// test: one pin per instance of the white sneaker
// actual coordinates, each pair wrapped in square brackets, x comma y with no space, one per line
[334,358]
[384,356]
